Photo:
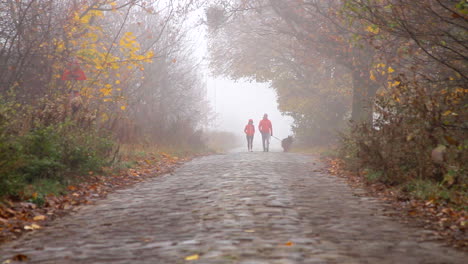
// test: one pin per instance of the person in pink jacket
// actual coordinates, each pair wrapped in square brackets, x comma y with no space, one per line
[249,132]
[266,129]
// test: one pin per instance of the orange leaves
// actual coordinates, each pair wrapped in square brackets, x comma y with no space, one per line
[372,76]
[105,91]
[17,258]
[20,258]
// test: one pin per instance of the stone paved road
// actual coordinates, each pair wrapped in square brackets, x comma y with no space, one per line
[235,208]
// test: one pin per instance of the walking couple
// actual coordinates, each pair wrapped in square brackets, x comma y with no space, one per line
[265,129]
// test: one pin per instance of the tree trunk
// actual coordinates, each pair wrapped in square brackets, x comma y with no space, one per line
[364,91]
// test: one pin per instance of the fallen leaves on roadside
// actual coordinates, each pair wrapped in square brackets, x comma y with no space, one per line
[192,257]
[17,258]
[32,227]
[20,257]
[17,217]
[39,218]
[146,239]
[289,244]
[446,222]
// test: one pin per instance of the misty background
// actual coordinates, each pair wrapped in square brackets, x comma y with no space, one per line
[235,102]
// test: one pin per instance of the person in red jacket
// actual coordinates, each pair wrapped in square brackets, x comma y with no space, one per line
[267,130]
[249,132]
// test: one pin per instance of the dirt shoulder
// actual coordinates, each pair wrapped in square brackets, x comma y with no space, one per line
[446,223]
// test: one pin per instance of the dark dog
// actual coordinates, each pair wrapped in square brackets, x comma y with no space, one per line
[287,143]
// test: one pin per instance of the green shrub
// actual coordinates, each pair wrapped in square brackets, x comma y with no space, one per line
[374,176]
[53,153]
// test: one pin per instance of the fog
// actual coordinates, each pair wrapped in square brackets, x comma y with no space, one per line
[236,102]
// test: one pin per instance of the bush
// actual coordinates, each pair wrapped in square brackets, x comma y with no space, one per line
[418,135]
[54,153]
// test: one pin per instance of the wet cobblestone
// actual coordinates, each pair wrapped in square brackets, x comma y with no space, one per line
[246,208]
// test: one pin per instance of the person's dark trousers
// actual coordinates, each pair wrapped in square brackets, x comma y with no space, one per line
[249,142]
[265,141]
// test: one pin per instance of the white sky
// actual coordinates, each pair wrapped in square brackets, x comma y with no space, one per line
[236,102]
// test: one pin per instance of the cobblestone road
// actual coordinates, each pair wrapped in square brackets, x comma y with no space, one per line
[249,208]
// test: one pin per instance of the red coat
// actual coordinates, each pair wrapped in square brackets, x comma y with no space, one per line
[249,130]
[265,126]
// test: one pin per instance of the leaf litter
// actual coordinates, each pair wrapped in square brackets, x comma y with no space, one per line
[445,223]
[18,217]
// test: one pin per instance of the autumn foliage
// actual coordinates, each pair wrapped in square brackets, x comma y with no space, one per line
[389,76]
[80,77]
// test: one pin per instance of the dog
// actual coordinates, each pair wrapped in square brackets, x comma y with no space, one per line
[287,143]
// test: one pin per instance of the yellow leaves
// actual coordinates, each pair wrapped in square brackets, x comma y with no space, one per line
[393,84]
[123,107]
[449,112]
[128,43]
[105,91]
[289,244]
[115,66]
[88,16]
[249,231]
[60,46]
[192,257]
[383,69]
[149,56]
[113,6]
[104,117]
[39,218]
[93,36]
[117,82]
[374,29]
